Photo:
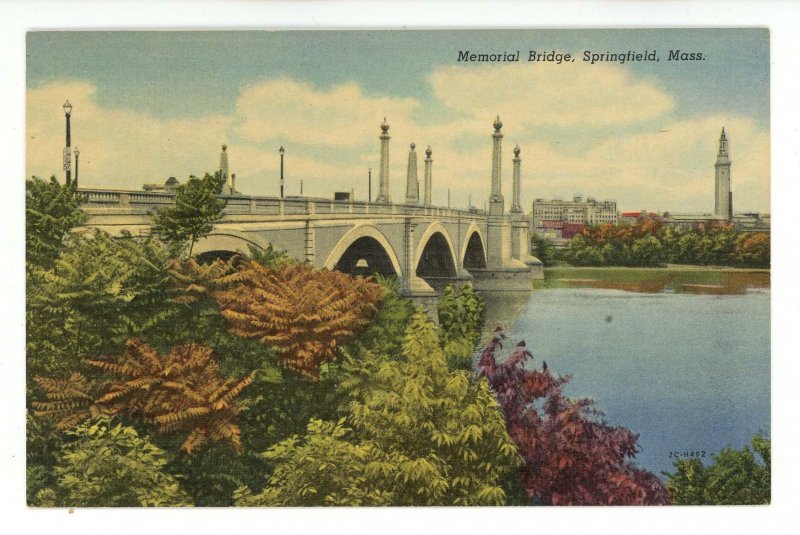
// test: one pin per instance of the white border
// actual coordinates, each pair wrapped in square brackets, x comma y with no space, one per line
[780,16]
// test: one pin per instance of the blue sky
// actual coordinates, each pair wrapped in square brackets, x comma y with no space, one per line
[153,104]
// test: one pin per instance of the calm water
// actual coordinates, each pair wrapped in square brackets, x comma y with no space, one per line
[687,372]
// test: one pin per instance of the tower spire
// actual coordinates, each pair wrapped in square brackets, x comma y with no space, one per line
[223,169]
[723,197]
[496,202]
[383,180]
[412,182]
[515,204]
[428,175]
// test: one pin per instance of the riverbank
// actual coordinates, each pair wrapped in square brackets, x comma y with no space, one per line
[672,278]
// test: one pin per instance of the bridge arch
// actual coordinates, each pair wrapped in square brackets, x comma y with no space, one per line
[473,253]
[224,244]
[364,250]
[435,256]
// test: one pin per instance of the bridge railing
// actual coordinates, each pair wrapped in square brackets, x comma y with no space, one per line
[272,206]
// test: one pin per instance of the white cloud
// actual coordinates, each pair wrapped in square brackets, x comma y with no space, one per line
[570,94]
[119,148]
[632,148]
[283,110]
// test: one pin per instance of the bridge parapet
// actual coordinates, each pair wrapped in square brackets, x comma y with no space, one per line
[141,202]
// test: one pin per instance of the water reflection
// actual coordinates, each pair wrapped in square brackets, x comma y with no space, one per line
[702,281]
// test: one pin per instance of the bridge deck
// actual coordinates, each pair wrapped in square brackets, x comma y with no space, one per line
[142,202]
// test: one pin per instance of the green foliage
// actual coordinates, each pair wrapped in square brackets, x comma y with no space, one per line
[111,466]
[196,208]
[753,250]
[51,211]
[270,257]
[321,468]
[414,433]
[99,292]
[647,251]
[734,477]
[461,320]
[543,249]
[213,474]
[580,252]
[43,443]
[381,341]
[650,243]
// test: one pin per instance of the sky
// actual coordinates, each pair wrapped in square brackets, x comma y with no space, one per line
[149,105]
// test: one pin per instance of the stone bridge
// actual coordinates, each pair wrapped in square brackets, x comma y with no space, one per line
[422,245]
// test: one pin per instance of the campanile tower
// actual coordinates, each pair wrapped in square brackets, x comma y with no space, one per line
[723,198]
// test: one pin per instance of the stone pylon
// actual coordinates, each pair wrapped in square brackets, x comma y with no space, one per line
[428,176]
[223,169]
[515,203]
[496,201]
[383,178]
[412,182]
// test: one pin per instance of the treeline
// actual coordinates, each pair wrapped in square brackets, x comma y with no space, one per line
[651,243]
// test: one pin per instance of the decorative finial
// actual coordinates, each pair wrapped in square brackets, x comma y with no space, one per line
[497,124]
[516,151]
[723,131]
[428,151]
[413,146]
[224,148]
[385,126]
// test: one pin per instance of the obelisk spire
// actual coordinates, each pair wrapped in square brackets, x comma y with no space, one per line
[412,182]
[496,201]
[428,175]
[515,204]
[223,169]
[383,184]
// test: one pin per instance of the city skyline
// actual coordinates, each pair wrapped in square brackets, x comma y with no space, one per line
[643,134]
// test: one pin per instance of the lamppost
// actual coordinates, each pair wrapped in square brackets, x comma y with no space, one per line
[77,153]
[67,155]
[281,151]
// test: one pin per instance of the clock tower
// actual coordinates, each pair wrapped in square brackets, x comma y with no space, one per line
[723,198]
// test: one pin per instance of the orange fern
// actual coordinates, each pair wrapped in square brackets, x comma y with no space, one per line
[181,393]
[304,314]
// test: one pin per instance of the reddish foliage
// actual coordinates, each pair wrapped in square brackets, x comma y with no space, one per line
[572,457]
[303,313]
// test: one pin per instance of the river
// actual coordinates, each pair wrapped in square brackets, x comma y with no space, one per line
[688,371]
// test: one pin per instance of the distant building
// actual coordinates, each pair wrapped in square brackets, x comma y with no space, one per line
[723,198]
[588,212]
[631,218]
[723,202]
[170,185]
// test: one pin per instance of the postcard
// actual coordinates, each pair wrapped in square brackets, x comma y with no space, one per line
[398,268]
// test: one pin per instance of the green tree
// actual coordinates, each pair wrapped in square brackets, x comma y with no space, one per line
[461,320]
[734,477]
[647,251]
[581,252]
[99,292]
[196,208]
[109,465]
[414,433]
[543,249]
[51,211]
[752,249]
[617,254]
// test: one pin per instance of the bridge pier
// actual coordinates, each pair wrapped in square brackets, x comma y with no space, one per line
[412,285]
